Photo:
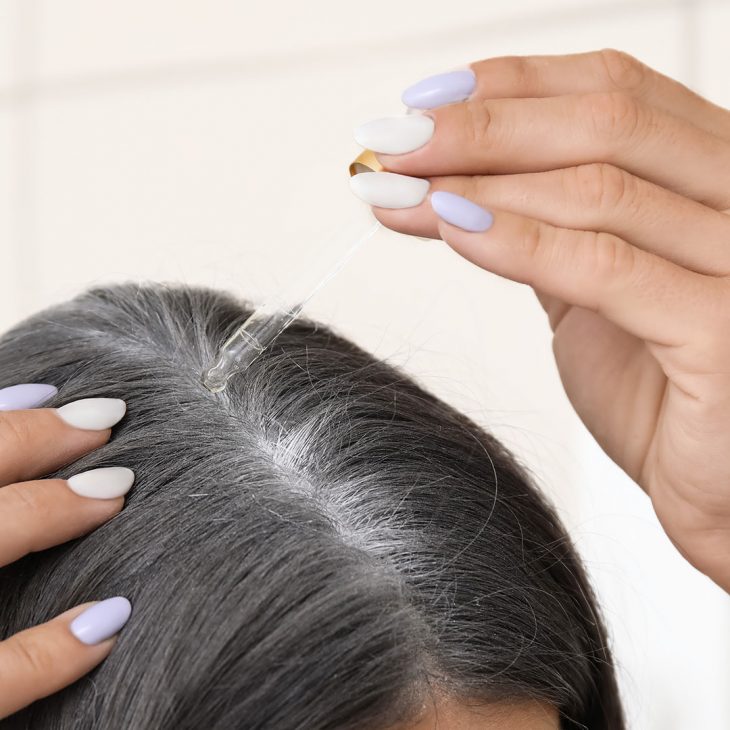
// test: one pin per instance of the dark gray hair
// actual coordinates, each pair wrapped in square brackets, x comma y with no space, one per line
[320,546]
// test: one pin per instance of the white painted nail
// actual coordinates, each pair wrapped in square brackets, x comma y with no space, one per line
[389,190]
[93,414]
[395,135]
[107,483]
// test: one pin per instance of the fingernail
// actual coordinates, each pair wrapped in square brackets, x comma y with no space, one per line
[26,395]
[441,89]
[105,483]
[93,414]
[101,621]
[461,212]
[395,135]
[388,189]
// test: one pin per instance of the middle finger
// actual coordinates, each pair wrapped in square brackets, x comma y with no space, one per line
[499,136]
[597,197]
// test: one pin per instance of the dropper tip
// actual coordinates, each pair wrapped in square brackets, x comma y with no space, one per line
[213,381]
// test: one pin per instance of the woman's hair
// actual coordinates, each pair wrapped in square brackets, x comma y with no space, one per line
[322,545]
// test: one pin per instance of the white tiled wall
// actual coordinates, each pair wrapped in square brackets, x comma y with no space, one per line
[208,142]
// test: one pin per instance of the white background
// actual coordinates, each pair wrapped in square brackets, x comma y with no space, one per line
[207,142]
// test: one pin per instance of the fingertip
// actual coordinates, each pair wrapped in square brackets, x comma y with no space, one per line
[102,648]
[26,396]
[448,233]
[81,440]
[85,513]
[461,212]
[415,221]
[419,220]
[102,483]
[393,163]
[69,614]
[93,414]
[102,621]
[100,511]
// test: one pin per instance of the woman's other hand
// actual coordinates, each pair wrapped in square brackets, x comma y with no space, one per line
[605,186]
[36,514]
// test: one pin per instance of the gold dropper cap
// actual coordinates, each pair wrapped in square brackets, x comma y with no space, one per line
[366,161]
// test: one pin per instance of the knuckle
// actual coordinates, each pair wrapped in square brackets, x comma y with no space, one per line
[601,186]
[612,116]
[535,241]
[520,69]
[478,121]
[15,431]
[614,258]
[28,505]
[31,655]
[22,498]
[623,71]
[473,187]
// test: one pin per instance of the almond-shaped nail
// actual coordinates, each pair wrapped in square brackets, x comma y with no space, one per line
[26,395]
[461,212]
[395,135]
[101,621]
[440,89]
[107,482]
[388,189]
[93,414]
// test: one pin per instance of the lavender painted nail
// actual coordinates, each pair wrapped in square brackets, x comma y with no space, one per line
[26,395]
[440,89]
[101,621]
[461,212]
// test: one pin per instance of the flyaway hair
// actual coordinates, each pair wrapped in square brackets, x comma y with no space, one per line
[321,546]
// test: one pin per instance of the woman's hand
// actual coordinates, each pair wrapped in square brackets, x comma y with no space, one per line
[606,187]
[36,514]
